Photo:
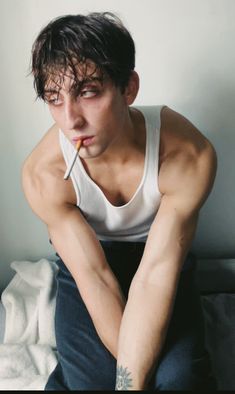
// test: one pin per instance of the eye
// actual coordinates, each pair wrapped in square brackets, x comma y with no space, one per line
[53,101]
[89,92]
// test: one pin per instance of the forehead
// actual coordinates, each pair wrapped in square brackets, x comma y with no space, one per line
[59,77]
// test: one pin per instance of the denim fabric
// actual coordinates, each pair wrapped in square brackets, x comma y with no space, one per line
[86,364]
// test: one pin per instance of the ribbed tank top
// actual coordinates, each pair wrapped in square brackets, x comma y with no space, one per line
[131,221]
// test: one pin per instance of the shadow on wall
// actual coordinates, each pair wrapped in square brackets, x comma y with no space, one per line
[215,110]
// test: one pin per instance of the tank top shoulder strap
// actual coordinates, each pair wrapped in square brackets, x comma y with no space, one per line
[152,115]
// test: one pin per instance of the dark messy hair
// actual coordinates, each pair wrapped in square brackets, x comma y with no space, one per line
[71,40]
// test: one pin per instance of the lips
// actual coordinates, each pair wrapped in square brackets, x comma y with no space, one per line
[76,139]
[86,140]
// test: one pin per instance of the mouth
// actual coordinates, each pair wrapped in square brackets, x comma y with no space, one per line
[85,140]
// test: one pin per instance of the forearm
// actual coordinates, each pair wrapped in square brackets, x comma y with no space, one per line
[143,330]
[83,255]
[105,303]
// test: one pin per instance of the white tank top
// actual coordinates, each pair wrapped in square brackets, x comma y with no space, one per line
[131,221]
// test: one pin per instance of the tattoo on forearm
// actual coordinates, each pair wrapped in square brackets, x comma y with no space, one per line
[123,379]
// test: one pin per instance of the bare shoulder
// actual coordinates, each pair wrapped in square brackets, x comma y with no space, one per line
[42,178]
[46,150]
[188,160]
[178,131]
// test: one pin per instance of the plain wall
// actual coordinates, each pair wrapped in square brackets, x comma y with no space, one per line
[185,58]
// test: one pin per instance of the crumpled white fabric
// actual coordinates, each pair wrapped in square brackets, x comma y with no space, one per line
[25,367]
[28,353]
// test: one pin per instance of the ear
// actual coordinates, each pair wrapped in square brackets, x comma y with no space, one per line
[132,88]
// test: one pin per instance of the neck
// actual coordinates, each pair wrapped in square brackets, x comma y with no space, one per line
[131,138]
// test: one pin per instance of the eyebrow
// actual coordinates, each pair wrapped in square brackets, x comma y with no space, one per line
[85,81]
[51,91]
[91,79]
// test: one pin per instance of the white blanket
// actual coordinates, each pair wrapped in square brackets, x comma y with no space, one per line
[28,353]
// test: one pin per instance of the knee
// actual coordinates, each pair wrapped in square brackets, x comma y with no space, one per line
[90,380]
[175,378]
[74,378]
[87,372]
[185,375]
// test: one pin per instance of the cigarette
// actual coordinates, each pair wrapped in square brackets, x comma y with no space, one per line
[70,167]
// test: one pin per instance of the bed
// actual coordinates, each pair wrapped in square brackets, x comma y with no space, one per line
[27,339]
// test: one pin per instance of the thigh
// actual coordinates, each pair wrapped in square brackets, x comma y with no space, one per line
[184,363]
[84,362]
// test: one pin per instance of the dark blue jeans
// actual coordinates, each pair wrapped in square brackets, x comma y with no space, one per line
[84,362]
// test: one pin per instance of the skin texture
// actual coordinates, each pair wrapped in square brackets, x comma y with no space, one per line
[187,169]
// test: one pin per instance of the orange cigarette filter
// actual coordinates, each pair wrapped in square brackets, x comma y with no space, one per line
[78,145]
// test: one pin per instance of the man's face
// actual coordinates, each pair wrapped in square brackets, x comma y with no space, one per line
[96,112]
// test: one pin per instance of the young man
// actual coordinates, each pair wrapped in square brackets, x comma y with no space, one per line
[127,315]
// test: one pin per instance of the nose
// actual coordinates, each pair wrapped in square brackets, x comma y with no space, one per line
[73,116]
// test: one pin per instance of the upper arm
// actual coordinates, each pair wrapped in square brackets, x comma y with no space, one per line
[189,181]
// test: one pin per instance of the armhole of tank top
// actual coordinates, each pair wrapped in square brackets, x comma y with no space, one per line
[159,122]
[159,109]
[155,123]
[63,143]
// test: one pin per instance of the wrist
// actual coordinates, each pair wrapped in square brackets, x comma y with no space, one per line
[127,380]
